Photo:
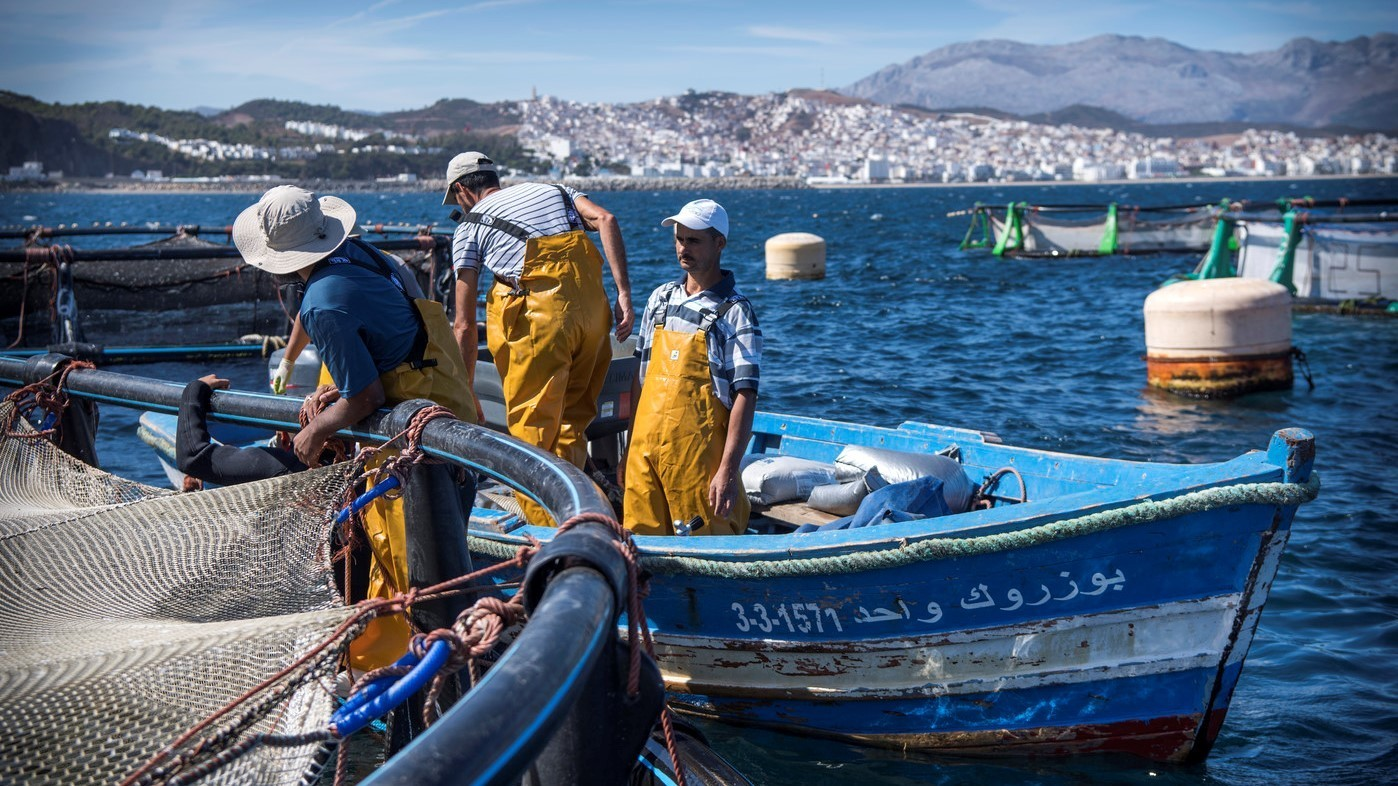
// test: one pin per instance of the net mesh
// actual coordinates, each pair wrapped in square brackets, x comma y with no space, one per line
[129,614]
[1332,262]
[1137,233]
[147,302]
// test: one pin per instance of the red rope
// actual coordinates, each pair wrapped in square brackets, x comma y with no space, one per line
[48,394]
[38,258]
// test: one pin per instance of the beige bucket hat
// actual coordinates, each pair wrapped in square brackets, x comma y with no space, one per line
[290,228]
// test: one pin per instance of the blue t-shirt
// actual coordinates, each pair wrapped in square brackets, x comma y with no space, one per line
[359,321]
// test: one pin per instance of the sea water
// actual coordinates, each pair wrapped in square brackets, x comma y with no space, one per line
[1047,353]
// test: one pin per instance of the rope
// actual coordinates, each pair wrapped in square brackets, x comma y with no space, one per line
[269,344]
[47,393]
[176,762]
[412,453]
[37,258]
[906,553]
[473,635]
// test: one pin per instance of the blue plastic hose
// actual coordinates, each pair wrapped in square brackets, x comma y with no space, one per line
[382,487]
[385,693]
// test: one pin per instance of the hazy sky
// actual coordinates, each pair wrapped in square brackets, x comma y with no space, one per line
[405,54]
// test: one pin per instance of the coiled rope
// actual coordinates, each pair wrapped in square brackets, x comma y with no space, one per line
[47,394]
[933,548]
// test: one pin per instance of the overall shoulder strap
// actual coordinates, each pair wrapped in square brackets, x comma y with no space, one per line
[710,316]
[416,354]
[380,264]
[574,220]
[505,225]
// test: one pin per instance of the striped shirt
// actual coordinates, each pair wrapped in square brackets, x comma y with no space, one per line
[538,207]
[734,342]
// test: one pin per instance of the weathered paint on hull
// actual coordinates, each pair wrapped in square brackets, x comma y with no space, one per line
[1163,739]
[1220,377]
[1128,639]
[1102,715]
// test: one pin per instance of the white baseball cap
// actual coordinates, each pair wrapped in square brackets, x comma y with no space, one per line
[463,165]
[290,228]
[701,214]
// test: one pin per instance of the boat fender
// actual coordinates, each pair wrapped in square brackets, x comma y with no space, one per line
[842,499]
[588,543]
[769,480]
[896,466]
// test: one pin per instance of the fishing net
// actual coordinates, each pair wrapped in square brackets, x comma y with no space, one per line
[1138,232]
[1332,262]
[129,614]
[146,302]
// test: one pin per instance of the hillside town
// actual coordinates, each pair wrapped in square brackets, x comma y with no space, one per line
[821,139]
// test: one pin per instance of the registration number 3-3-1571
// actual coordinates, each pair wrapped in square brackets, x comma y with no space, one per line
[793,617]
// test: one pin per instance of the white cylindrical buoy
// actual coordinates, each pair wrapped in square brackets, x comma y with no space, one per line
[1219,337]
[796,255]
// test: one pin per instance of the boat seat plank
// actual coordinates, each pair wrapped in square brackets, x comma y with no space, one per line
[793,513]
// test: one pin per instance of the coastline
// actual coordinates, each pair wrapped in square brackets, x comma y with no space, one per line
[599,184]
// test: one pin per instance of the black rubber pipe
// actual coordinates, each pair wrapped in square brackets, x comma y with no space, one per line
[189,252]
[505,722]
[554,483]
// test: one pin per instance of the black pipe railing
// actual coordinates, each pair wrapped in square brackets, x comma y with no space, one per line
[195,252]
[371,228]
[124,229]
[496,731]
[554,483]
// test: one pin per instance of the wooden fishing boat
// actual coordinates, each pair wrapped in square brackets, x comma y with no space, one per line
[1111,610]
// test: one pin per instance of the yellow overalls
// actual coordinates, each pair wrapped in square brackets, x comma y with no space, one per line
[386,638]
[548,336]
[677,442]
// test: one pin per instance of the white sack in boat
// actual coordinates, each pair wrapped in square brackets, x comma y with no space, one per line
[895,466]
[772,479]
[842,499]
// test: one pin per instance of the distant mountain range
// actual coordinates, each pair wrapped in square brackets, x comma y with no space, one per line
[1304,83]
[1147,86]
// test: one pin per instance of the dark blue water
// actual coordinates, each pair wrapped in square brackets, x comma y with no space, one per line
[1048,354]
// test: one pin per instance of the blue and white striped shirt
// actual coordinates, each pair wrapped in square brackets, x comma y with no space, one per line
[734,342]
[537,207]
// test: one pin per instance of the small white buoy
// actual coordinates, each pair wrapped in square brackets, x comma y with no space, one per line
[876,217]
[795,255]
[1219,337]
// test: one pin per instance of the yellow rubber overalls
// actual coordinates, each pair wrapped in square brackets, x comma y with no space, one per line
[386,638]
[548,336]
[677,441]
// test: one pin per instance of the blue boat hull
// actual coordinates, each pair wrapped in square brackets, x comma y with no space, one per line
[1112,612]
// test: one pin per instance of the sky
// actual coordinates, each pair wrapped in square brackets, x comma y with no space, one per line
[406,54]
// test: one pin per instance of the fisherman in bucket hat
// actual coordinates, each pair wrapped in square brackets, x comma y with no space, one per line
[380,347]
